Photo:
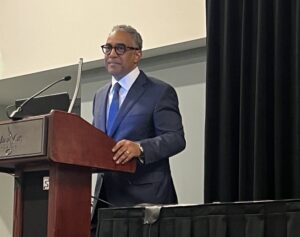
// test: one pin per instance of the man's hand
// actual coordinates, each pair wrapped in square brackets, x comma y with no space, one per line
[125,151]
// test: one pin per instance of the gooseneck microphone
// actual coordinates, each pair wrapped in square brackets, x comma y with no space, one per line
[16,114]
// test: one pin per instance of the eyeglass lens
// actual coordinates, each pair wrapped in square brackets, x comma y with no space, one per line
[119,48]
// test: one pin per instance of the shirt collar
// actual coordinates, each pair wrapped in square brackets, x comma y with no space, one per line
[127,81]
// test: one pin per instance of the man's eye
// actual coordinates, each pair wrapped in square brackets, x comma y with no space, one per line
[120,47]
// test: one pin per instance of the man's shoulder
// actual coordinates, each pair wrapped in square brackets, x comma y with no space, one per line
[156,82]
[103,89]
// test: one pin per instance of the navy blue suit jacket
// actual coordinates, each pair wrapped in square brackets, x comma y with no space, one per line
[150,116]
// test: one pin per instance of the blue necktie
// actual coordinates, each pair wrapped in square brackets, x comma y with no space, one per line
[114,107]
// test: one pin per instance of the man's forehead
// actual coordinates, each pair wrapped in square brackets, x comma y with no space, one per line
[120,37]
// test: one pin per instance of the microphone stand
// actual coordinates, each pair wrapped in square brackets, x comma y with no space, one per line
[103,201]
[77,85]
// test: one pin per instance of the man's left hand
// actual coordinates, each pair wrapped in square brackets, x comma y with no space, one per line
[125,151]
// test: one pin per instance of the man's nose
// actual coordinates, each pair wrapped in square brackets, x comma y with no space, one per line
[113,53]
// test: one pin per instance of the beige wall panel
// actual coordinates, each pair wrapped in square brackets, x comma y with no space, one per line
[41,35]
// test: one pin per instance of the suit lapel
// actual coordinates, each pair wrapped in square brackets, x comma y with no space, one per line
[133,95]
[102,107]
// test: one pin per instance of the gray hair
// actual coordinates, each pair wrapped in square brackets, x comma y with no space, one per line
[133,32]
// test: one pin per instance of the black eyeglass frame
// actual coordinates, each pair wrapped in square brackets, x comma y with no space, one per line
[109,47]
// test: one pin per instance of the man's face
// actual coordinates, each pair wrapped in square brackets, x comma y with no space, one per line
[121,65]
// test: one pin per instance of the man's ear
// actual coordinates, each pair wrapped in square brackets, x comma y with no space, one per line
[138,56]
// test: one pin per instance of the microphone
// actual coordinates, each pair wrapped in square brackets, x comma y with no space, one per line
[15,115]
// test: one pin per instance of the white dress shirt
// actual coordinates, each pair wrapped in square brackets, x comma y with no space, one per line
[126,82]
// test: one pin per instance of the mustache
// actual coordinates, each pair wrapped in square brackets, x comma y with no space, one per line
[112,62]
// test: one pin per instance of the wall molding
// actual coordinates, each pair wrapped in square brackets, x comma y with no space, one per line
[153,59]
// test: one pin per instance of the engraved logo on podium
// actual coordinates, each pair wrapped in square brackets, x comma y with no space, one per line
[24,138]
[9,142]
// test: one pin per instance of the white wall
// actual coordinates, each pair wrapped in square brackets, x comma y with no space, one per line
[188,166]
[2,113]
[40,35]
[6,205]
[6,197]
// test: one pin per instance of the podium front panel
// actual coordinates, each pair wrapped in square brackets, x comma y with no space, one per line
[23,138]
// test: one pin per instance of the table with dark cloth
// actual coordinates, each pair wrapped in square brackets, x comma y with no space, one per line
[241,219]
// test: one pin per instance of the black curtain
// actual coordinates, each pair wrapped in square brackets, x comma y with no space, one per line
[252,134]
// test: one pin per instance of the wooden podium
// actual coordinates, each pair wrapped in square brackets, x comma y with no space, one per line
[52,158]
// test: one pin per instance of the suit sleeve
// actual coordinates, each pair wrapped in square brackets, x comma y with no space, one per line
[169,139]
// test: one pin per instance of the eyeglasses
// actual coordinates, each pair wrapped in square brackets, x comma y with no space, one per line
[120,49]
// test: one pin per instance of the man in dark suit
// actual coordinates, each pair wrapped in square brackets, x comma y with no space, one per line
[147,127]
